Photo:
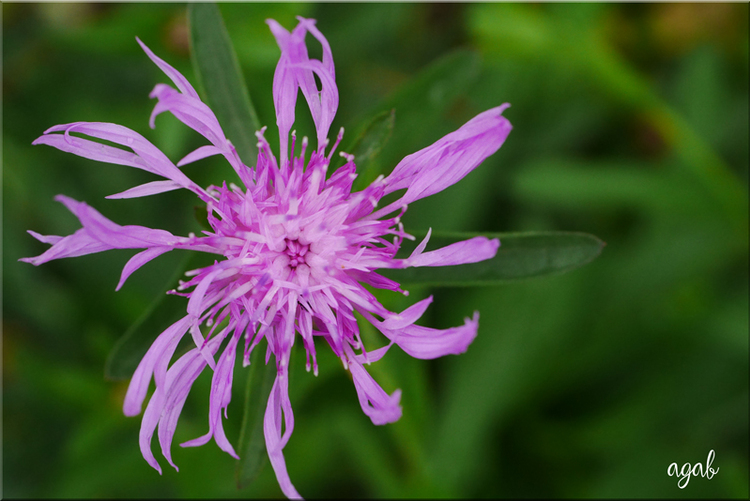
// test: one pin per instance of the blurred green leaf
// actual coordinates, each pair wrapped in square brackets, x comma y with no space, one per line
[586,51]
[368,144]
[658,188]
[252,444]
[521,255]
[163,311]
[218,70]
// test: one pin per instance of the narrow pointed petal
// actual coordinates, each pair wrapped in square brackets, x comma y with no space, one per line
[144,190]
[427,343]
[160,351]
[139,260]
[468,251]
[284,88]
[408,316]
[148,426]
[92,150]
[296,70]
[47,239]
[323,103]
[199,154]
[376,403]
[116,236]
[448,160]
[79,243]
[221,395]
[176,394]
[278,406]
[180,81]
[151,158]
[198,116]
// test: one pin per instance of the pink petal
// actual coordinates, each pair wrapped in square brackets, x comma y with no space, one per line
[408,316]
[294,71]
[159,353]
[221,395]
[150,156]
[144,190]
[92,150]
[116,236]
[180,81]
[426,343]
[79,243]
[448,160]
[139,260]
[155,410]
[199,117]
[148,425]
[284,89]
[468,251]
[176,394]
[47,239]
[278,405]
[199,154]
[376,403]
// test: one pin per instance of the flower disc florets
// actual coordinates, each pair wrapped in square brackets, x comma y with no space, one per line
[295,233]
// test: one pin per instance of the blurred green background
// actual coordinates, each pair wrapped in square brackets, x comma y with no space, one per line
[630,122]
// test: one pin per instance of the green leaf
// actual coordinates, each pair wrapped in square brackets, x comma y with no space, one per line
[218,71]
[368,144]
[508,32]
[163,311]
[252,444]
[521,255]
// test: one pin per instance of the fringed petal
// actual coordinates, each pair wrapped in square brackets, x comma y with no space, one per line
[180,81]
[139,260]
[427,343]
[198,116]
[199,154]
[178,388]
[284,88]
[116,236]
[221,395]
[376,403]
[147,156]
[279,406]
[295,70]
[467,251]
[448,160]
[408,316]
[144,190]
[154,363]
[79,243]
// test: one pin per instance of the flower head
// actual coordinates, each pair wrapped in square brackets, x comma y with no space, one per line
[296,247]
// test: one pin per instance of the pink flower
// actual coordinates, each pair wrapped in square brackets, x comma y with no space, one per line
[295,246]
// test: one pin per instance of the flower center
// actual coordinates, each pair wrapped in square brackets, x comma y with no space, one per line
[296,252]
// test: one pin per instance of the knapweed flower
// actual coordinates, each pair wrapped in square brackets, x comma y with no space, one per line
[295,246]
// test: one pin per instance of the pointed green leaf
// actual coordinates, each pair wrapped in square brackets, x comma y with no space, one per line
[218,71]
[368,144]
[164,310]
[521,255]
[252,444]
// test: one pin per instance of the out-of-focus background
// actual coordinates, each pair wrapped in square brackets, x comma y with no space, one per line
[630,122]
